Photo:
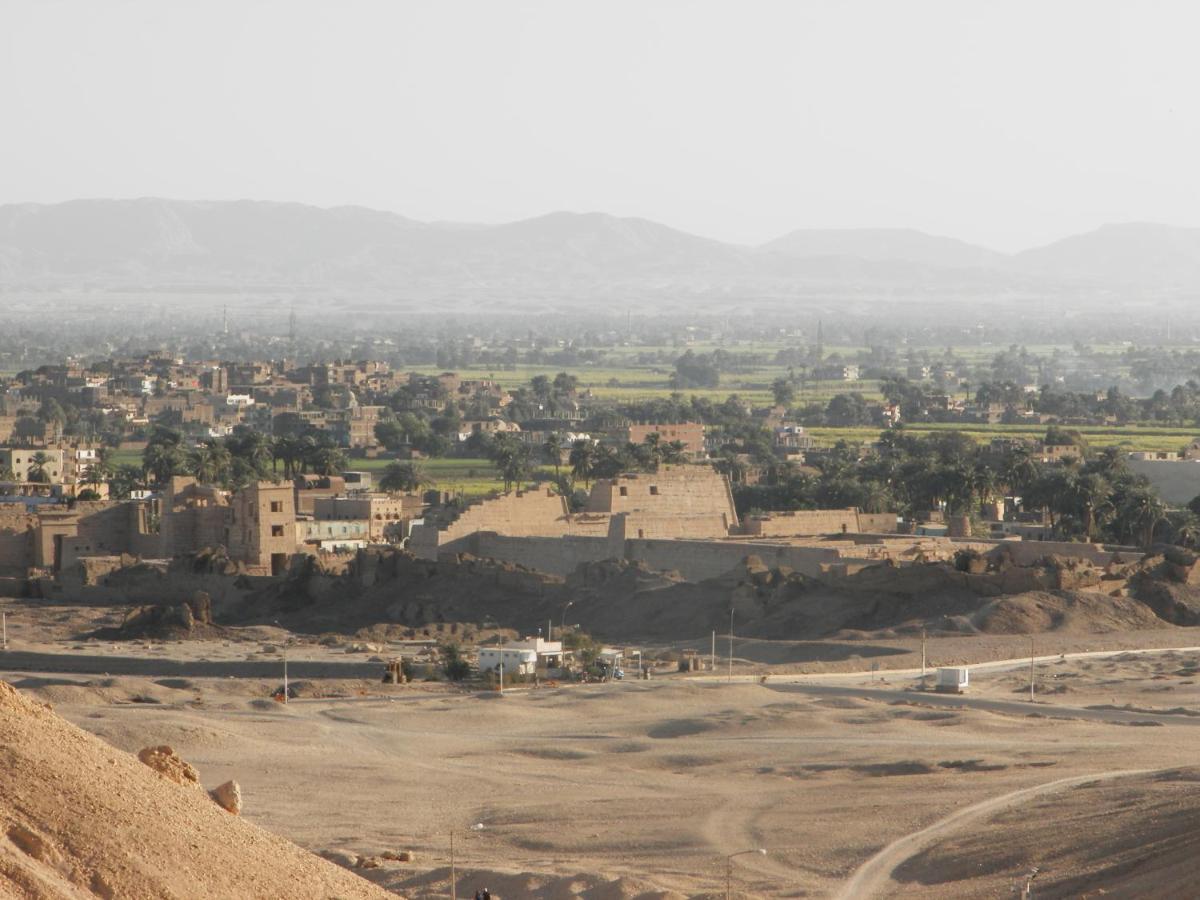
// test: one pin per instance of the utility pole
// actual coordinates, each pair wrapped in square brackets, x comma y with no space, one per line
[1031,668]
[922,653]
[713,664]
[4,623]
[501,664]
[731,643]
[285,684]
[453,877]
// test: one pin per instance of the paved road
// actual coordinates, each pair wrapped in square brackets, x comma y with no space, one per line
[996,665]
[157,667]
[875,874]
[1008,707]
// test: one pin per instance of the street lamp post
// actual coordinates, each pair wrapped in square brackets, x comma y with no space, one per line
[478,826]
[761,851]
[285,678]
[731,643]
[562,622]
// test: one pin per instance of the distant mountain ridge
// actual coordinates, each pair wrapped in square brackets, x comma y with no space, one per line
[154,241]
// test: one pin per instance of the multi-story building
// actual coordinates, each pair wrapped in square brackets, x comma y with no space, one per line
[45,463]
[260,527]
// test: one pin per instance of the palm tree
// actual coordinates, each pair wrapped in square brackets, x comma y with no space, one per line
[511,458]
[672,452]
[7,474]
[552,450]
[1139,515]
[327,460]
[582,460]
[1090,496]
[1019,470]
[285,448]
[210,462]
[37,468]
[123,481]
[163,456]
[256,449]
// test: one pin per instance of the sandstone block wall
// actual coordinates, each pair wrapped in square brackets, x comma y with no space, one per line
[653,525]
[671,491]
[877,523]
[804,522]
[541,512]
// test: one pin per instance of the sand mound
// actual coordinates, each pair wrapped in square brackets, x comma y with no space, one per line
[1065,611]
[79,818]
[1130,837]
[530,886]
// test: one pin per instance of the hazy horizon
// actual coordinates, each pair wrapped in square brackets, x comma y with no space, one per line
[955,119]
[585,212]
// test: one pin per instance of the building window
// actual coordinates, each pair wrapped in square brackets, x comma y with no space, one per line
[624,491]
[654,489]
[276,531]
[276,506]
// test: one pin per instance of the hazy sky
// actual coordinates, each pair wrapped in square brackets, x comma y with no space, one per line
[1007,123]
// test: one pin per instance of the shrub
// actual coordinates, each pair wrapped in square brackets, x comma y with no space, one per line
[455,667]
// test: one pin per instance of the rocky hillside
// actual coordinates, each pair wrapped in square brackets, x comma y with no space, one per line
[80,819]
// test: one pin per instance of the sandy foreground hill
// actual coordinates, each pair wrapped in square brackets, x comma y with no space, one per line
[79,818]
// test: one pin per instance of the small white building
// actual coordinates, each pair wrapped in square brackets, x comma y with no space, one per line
[549,653]
[951,680]
[517,660]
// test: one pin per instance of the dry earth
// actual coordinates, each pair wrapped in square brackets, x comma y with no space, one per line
[640,789]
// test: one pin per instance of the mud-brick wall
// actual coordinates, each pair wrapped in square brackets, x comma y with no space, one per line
[16,542]
[553,555]
[697,560]
[104,527]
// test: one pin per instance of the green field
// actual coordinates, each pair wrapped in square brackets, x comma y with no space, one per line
[466,477]
[1128,437]
[639,383]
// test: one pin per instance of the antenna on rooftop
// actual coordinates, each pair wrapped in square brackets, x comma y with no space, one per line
[225,320]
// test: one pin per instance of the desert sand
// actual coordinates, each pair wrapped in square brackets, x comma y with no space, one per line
[642,789]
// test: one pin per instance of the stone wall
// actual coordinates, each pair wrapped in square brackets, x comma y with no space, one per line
[671,491]
[877,523]
[540,512]
[694,560]
[553,555]
[820,521]
[1026,553]
[16,540]
[803,522]
[697,560]
[654,525]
